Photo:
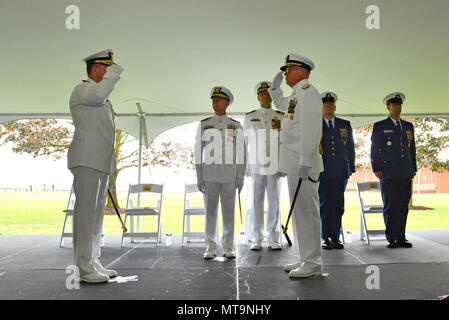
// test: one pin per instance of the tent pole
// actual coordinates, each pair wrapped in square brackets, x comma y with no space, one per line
[139,178]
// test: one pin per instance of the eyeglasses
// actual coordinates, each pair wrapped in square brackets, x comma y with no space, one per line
[288,69]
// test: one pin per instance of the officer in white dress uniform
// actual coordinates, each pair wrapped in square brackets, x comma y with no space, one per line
[91,159]
[300,158]
[220,162]
[262,128]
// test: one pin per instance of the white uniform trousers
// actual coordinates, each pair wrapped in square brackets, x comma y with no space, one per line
[306,220]
[260,183]
[226,192]
[90,186]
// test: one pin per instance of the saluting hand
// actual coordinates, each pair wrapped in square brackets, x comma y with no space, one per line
[114,68]
[277,80]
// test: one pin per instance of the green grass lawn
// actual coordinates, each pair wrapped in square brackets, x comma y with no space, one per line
[42,213]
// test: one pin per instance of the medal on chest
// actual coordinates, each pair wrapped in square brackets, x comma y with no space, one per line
[230,131]
[409,135]
[291,108]
[343,135]
[276,124]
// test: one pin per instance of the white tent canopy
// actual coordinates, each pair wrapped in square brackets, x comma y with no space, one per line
[174,52]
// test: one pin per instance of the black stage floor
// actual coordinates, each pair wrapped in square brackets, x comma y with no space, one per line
[34,267]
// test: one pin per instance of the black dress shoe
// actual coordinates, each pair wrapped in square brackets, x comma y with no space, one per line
[337,244]
[404,243]
[326,245]
[392,244]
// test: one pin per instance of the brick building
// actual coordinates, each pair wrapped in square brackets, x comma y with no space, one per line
[429,182]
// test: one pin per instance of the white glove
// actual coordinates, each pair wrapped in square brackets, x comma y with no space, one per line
[115,68]
[304,173]
[277,80]
[280,174]
[239,184]
[201,185]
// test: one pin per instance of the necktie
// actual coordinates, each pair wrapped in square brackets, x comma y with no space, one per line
[330,124]
[398,126]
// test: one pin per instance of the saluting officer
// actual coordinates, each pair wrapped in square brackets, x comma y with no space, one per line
[262,127]
[91,159]
[220,163]
[300,158]
[393,160]
[338,160]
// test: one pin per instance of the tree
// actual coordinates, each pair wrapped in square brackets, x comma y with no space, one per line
[164,154]
[362,145]
[432,139]
[38,137]
[51,138]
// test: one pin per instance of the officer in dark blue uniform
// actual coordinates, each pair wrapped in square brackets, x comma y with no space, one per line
[338,160]
[393,160]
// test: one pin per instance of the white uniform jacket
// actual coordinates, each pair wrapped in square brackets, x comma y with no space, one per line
[301,129]
[270,122]
[220,151]
[93,141]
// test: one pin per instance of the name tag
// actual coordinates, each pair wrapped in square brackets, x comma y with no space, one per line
[388,131]
[255,119]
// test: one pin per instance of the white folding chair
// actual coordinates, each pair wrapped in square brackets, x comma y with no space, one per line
[68,213]
[362,189]
[191,211]
[139,190]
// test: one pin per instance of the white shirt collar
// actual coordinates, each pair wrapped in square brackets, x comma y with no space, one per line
[394,121]
[300,84]
[303,82]
[327,121]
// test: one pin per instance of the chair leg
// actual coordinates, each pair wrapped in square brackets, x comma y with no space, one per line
[183,226]
[158,230]
[365,227]
[367,236]
[61,242]
[362,227]
[188,228]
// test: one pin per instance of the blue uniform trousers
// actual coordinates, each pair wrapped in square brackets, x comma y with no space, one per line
[396,193]
[332,206]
